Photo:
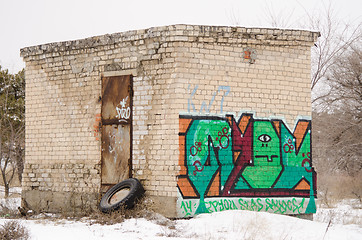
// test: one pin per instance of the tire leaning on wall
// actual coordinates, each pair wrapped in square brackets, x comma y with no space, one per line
[125,193]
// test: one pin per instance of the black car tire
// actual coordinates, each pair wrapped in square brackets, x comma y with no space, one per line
[125,193]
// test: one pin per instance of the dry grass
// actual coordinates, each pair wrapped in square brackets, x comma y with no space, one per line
[333,188]
[143,209]
[6,212]
[13,230]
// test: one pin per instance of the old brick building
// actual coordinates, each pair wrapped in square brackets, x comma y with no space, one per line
[207,118]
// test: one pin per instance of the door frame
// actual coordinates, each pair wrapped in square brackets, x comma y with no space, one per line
[106,186]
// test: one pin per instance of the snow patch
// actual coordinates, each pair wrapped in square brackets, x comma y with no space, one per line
[345,223]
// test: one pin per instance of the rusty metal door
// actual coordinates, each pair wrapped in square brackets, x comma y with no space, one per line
[116,129]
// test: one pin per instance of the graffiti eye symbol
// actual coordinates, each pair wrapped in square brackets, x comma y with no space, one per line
[264,138]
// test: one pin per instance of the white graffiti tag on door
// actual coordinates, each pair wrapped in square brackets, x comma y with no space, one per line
[123,112]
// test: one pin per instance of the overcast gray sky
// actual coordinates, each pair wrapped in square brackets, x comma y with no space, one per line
[34,22]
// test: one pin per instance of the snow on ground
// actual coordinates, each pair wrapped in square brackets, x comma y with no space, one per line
[13,192]
[348,211]
[261,225]
[345,224]
[222,225]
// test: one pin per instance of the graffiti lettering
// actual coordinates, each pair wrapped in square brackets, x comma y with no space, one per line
[273,205]
[282,206]
[221,205]
[251,205]
[205,107]
[186,207]
[123,112]
[246,158]
[189,101]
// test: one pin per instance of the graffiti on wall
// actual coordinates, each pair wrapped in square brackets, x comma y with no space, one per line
[292,205]
[206,107]
[250,158]
[123,112]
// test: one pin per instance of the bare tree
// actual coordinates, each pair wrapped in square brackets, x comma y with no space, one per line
[336,70]
[11,125]
[345,81]
[336,36]
[336,148]
[338,129]
[280,18]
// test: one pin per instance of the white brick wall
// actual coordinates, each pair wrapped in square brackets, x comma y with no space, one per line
[63,86]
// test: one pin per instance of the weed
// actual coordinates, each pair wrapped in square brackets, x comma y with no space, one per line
[335,187]
[327,228]
[14,230]
[7,212]
[143,209]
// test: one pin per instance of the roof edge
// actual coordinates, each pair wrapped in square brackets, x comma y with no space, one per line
[173,33]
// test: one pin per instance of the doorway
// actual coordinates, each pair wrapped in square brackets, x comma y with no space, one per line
[116,163]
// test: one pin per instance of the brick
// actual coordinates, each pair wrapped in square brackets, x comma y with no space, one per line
[184,68]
